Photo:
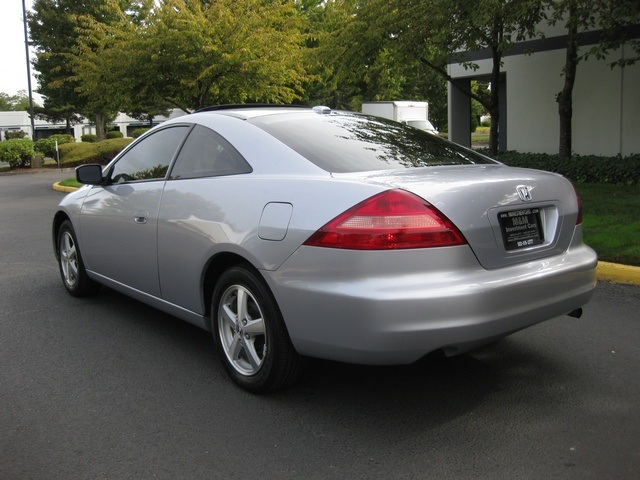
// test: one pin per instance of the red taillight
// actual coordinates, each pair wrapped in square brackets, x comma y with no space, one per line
[394,219]
[579,218]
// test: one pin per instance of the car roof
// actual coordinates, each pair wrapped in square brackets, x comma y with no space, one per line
[252,110]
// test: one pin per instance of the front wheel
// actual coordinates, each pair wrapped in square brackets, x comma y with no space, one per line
[250,334]
[74,275]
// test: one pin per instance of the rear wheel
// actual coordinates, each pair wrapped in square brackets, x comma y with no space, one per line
[250,334]
[74,275]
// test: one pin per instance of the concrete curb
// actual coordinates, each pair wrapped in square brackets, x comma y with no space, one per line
[614,272]
[60,188]
[606,272]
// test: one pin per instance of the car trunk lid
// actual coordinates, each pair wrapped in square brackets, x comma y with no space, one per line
[507,215]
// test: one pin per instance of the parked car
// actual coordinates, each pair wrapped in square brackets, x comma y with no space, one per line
[305,232]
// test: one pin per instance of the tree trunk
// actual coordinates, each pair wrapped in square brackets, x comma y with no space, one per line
[565,97]
[101,126]
[67,128]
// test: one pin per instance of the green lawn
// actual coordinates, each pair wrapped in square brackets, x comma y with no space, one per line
[480,136]
[611,221]
[70,182]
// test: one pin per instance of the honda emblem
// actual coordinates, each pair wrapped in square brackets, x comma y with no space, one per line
[524,193]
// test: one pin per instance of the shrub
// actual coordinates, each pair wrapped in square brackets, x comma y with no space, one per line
[138,131]
[74,154]
[17,152]
[583,169]
[107,149]
[89,138]
[70,152]
[14,134]
[47,146]
[475,123]
[114,134]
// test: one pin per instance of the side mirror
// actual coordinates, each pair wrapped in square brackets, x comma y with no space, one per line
[89,174]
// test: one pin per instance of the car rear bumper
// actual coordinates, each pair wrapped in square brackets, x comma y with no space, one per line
[384,308]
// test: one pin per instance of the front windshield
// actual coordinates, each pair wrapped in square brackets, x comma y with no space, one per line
[349,142]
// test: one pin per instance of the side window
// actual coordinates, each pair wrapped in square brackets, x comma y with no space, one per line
[207,154]
[150,158]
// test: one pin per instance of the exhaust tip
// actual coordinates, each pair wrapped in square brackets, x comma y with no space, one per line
[577,313]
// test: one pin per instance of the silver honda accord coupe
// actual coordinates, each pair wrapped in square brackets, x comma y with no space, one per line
[293,232]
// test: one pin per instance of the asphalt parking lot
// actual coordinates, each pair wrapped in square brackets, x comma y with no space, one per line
[109,388]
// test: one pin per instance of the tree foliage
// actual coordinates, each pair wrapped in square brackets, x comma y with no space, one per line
[190,54]
[454,27]
[322,22]
[388,48]
[17,102]
[363,55]
[614,19]
[53,27]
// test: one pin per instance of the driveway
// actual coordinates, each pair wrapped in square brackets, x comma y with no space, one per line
[107,387]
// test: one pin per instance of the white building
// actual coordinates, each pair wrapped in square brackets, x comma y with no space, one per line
[12,121]
[606,101]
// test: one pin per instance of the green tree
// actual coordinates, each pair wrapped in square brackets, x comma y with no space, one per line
[6,104]
[377,45]
[615,19]
[363,55]
[53,27]
[194,54]
[328,83]
[439,29]
[18,102]
[105,67]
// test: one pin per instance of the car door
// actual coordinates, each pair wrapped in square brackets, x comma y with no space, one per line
[192,220]
[118,222]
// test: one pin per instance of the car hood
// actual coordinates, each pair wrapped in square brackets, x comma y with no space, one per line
[474,196]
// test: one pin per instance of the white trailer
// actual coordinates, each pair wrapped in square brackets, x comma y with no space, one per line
[415,114]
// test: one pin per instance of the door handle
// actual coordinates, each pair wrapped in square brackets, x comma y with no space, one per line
[140,217]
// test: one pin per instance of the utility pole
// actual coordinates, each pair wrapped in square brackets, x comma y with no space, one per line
[26,49]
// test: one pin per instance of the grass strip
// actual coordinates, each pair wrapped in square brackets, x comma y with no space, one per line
[70,182]
[611,221]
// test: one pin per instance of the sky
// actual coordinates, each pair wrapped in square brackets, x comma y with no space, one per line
[13,76]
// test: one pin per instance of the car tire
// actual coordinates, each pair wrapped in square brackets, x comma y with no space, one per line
[250,334]
[74,275]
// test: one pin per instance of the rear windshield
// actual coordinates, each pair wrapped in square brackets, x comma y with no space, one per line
[346,142]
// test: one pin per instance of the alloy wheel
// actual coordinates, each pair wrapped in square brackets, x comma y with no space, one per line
[68,259]
[242,330]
